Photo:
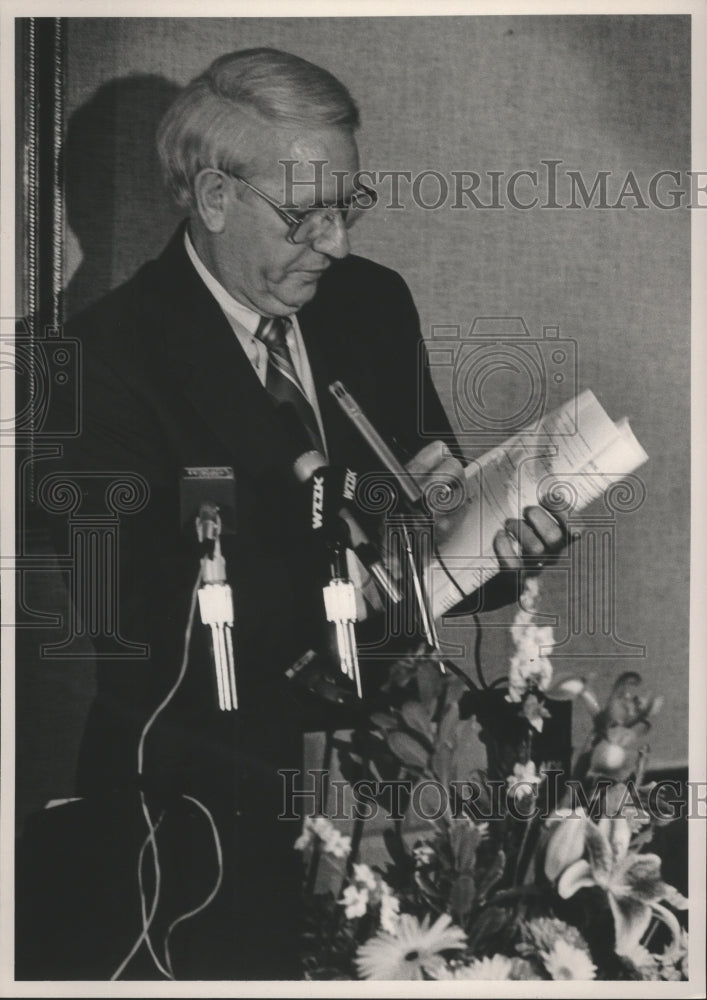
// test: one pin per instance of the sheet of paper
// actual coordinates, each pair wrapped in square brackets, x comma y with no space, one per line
[576,454]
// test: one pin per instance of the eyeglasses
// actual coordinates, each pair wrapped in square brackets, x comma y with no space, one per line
[311,224]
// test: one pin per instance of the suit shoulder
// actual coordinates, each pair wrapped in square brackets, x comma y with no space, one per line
[111,310]
[354,266]
[355,277]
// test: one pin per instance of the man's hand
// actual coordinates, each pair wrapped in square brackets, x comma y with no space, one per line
[440,478]
[529,543]
[526,544]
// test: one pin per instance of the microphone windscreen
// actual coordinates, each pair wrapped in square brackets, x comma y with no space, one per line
[307,464]
[210,484]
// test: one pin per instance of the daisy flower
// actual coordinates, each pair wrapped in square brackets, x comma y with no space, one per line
[496,967]
[565,961]
[544,932]
[415,948]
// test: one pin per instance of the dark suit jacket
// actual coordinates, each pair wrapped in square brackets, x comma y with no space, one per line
[167,385]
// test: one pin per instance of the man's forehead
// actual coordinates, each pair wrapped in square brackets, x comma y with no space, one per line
[310,165]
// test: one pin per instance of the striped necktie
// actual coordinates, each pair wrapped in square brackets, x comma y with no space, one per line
[282,381]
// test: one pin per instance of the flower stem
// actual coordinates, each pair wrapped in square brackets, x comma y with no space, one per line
[521,849]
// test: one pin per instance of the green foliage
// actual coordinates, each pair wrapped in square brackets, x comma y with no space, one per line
[490,875]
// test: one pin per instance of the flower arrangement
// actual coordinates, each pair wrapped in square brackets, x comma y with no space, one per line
[527,869]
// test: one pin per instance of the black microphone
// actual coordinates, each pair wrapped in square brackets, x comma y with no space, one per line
[333,492]
[390,462]
[325,492]
[213,488]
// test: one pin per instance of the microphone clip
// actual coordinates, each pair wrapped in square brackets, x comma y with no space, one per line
[216,604]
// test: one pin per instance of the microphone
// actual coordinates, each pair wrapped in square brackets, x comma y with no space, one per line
[333,493]
[204,484]
[326,496]
[207,498]
[326,491]
[389,460]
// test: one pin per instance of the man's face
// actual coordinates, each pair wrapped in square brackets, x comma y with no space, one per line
[251,256]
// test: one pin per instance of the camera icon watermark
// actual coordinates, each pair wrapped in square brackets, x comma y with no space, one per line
[46,369]
[499,378]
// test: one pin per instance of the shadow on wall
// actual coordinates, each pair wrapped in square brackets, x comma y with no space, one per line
[120,214]
[116,202]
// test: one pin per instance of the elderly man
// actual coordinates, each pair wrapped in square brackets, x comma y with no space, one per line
[255,302]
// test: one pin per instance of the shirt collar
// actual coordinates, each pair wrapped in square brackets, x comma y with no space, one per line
[234,309]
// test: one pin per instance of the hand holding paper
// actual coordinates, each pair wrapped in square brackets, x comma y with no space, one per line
[506,487]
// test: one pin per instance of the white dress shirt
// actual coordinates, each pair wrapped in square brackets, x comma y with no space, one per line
[244,323]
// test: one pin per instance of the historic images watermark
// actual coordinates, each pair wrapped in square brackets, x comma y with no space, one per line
[548,184]
[46,369]
[542,372]
[314,792]
[514,396]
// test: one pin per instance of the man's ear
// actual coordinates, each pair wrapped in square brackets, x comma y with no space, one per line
[211,196]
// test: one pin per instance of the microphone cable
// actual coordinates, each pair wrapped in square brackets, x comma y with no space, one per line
[219,879]
[151,840]
[477,623]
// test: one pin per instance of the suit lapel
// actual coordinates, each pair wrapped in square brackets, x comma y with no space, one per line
[314,327]
[205,360]
[329,339]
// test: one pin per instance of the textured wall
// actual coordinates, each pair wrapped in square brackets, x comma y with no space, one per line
[480,94]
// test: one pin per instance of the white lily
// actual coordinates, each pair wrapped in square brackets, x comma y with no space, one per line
[630,880]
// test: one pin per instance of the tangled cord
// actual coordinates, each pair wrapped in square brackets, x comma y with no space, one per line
[166,968]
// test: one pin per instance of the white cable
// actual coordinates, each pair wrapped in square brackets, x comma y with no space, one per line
[217,886]
[147,921]
[180,677]
[152,841]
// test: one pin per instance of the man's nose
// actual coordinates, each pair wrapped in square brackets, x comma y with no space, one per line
[334,241]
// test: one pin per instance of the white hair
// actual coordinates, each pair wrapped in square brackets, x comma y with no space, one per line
[202,128]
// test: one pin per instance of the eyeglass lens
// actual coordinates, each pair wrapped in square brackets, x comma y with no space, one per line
[318,222]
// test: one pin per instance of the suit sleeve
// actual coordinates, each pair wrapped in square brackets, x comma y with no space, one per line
[421,418]
[417,411]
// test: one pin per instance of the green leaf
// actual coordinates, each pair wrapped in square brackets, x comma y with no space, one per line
[431,892]
[429,685]
[489,923]
[383,720]
[494,873]
[408,750]
[462,897]
[417,717]
[430,801]
[374,748]
[448,726]
[441,765]
[465,844]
